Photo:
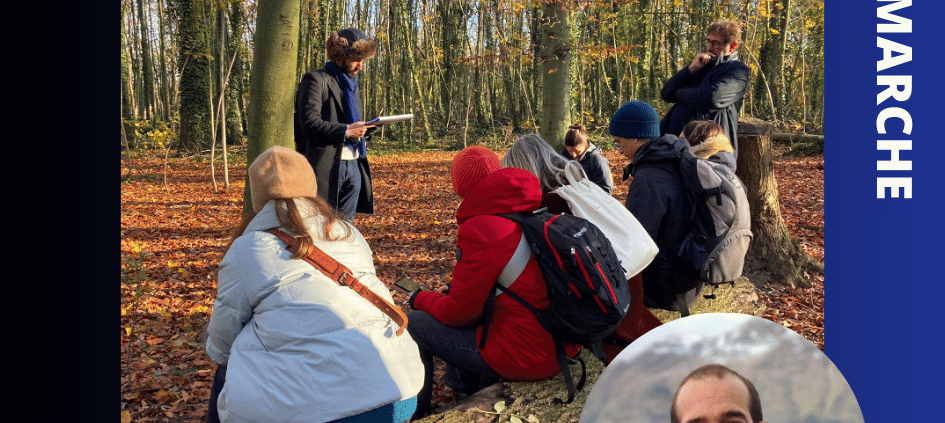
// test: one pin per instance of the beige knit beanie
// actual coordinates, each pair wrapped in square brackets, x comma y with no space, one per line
[280,172]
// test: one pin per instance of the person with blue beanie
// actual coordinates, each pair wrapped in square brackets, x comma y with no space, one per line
[657,198]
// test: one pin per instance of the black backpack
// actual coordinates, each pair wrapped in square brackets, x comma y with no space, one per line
[587,288]
[721,231]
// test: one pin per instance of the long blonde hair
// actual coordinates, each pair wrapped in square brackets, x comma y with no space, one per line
[290,218]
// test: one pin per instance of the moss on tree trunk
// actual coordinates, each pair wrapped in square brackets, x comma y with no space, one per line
[195,81]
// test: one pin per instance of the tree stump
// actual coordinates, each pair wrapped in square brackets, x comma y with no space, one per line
[773,256]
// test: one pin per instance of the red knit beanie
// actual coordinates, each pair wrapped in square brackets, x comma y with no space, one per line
[472,165]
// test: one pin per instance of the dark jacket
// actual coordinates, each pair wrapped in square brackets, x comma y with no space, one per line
[657,198]
[595,166]
[320,135]
[714,93]
[517,347]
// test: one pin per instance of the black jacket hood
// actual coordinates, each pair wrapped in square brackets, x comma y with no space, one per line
[663,149]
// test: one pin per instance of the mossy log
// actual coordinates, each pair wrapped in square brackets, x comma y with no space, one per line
[797,138]
[536,399]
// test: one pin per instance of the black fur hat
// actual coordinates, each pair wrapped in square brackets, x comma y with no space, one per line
[350,43]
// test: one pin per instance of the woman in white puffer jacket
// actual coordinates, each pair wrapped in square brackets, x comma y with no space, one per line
[294,345]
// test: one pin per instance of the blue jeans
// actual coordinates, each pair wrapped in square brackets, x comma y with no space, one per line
[349,187]
[398,412]
[466,371]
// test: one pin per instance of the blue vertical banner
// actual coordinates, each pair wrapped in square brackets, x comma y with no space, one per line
[883,202]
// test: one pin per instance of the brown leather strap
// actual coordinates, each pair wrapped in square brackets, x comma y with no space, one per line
[342,275]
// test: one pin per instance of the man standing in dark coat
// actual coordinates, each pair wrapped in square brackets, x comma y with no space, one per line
[657,199]
[329,129]
[711,87]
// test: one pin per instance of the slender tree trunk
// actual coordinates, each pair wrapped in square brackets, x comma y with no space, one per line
[234,120]
[771,58]
[535,71]
[448,45]
[124,137]
[164,89]
[556,74]
[410,68]
[388,85]
[508,78]
[127,112]
[488,65]
[479,79]
[146,104]
[307,17]
[523,73]
[223,76]
[272,81]
[195,83]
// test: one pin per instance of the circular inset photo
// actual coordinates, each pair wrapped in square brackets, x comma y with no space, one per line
[721,368]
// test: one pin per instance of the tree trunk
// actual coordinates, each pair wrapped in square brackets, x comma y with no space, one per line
[127,113]
[479,79]
[195,82]
[771,58]
[555,58]
[272,82]
[124,137]
[410,68]
[387,84]
[234,120]
[165,88]
[534,74]
[449,44]
[146,105]
[773,256]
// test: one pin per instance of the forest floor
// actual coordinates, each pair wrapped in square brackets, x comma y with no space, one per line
[175,223]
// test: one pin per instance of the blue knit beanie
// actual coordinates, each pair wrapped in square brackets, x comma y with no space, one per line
[635,119]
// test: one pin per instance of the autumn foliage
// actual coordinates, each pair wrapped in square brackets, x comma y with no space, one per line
[173,235]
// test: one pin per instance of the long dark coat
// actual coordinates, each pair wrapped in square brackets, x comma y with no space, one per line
[320,136]
[714,93]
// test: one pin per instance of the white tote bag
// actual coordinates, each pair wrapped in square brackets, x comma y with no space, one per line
[630,241]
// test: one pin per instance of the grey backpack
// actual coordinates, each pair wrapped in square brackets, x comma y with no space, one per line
[721,231]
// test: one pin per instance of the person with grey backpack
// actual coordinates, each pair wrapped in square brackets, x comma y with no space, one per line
[701,226]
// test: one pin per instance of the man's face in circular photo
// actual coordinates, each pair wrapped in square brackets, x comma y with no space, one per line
[714,400]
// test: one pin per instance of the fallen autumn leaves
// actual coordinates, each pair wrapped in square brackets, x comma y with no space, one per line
[173,236]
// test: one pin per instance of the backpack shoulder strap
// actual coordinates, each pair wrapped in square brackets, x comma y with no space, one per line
[509,274]
[516,264]
[520,257]
[343,276]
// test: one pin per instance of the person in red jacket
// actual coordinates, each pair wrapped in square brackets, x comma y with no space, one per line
[532,153]
[447,323]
